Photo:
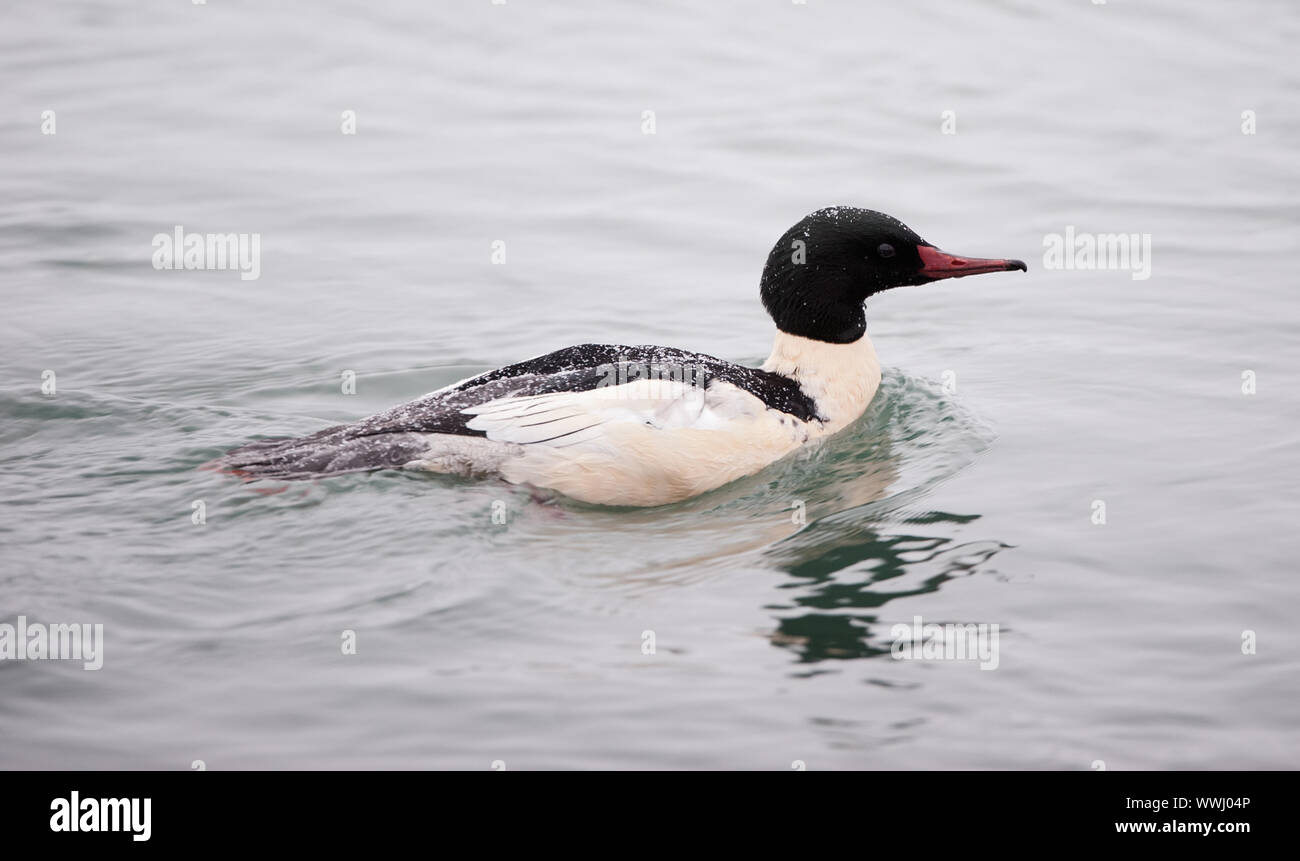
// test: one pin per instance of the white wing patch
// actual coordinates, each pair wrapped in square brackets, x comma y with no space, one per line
[564,419]
[553,419]
[641,443]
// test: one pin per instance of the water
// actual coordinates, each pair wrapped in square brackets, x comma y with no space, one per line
[522,641]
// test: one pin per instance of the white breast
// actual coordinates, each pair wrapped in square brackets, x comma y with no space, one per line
[841,378]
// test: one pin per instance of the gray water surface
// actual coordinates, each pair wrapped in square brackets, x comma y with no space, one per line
[1011,404]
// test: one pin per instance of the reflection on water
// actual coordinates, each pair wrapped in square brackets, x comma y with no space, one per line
[840,574]
[836,518]
[862,536]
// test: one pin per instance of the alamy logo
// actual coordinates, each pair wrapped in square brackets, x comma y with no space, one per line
[1118,251]
[103,814]
[947,642]
[68,642]
[657,380]
[181,250]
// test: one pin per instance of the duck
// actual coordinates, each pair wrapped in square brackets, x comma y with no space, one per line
[616,425]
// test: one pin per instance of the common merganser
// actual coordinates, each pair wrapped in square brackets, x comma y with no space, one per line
[643,426]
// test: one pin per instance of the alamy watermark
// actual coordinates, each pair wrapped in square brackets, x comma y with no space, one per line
[130,815]
[946,642]
[667,381]
[37,641]
[1118,251]
[181,250]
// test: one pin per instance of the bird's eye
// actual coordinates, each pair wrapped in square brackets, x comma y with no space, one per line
[885,250]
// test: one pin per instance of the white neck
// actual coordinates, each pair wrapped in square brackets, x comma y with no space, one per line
[841,378]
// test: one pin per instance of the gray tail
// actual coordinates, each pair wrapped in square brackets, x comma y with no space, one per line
[327,452]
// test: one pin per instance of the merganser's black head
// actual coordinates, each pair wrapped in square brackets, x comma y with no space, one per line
[824,268]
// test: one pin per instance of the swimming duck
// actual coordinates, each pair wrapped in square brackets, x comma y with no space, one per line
[646,425]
